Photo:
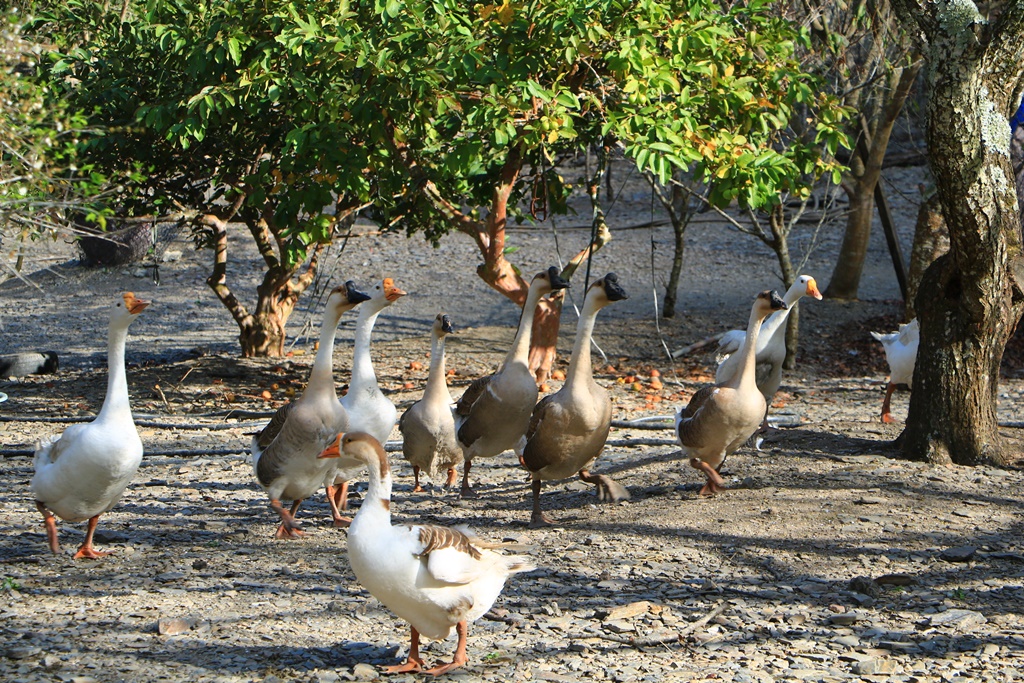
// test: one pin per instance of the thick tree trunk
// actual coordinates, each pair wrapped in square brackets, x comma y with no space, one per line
[975,295]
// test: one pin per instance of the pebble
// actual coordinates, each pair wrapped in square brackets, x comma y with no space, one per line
[959,554]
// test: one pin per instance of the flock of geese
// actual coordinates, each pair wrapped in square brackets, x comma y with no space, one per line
[434,577]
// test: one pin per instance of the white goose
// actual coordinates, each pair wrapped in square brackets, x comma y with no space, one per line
[494,412]
[901,354]
[433,577]
[284,453]
[771,343]
[83,472]
[428,425]
[369,410]
[720,417]
[569,428]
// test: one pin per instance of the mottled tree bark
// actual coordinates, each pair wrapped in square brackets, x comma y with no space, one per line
[976,291]
[931,240]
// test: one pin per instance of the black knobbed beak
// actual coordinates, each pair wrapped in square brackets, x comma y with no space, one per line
[612,289]
[557,281]
[446,324]
[354,295]
[777,303]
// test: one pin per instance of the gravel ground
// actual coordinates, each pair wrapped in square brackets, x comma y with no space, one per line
[828,561]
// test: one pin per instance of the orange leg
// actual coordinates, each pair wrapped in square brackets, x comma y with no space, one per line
[538,520]
[715,482]
[416,479]
[87,551]
[467,492]
[289,527]
[341,496]
[412,663]
[339,520]
[51,527]
[460,658]
[886,415]
[453,475]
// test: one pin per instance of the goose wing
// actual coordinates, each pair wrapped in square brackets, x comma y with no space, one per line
[689,420]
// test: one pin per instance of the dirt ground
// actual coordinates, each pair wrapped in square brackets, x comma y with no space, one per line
[829,560]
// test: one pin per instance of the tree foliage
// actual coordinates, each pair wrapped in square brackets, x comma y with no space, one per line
[435,114]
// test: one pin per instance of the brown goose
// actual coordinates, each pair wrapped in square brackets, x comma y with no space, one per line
[428,426]
[284,453]
[495,411]
[569,428]
[720,417]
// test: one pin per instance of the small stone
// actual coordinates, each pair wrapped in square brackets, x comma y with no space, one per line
[365,672]
[171,255]
[847,641]
[845,619]
[200,564]
[619,627]
[896,580]
[962,553]
[958,618]
[869,500]
[865,586]
[874,666]
[991,649]
[172,627]
[22,651]
[109,536]
[168,577]
[633,609]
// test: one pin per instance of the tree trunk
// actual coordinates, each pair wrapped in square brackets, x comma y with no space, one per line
[845,279]
[931,240]
[780,244]
[975,296]
[264,335]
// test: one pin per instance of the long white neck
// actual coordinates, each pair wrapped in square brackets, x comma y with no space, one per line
[321,377]
[437,385]
[580,369]
[362,365]
[746,377]
[520,351]
[377,503]
[115,404]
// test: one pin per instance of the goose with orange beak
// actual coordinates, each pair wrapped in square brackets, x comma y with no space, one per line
[83,472]
[368,409]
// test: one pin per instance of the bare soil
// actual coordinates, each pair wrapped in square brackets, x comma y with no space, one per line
[623,592]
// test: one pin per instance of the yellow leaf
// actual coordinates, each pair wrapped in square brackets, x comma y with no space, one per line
[486,11]
[729,71]
[505,14]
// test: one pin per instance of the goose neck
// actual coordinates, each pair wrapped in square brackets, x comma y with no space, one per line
[748,353]
[322,374]
[377,503]
[362,365]
[116,401]
[580,367]
[437,385]
[520,351]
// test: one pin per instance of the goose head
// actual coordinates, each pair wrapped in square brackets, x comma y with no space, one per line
[126,308]
[346,297]
[767,302]
[443,325]
[806,286]
[359,446]
[383,294]
[610,289]
[548,281]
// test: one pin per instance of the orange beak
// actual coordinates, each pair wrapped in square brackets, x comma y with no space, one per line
[134,304]
[392,293]
[812,289]
[332,451]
